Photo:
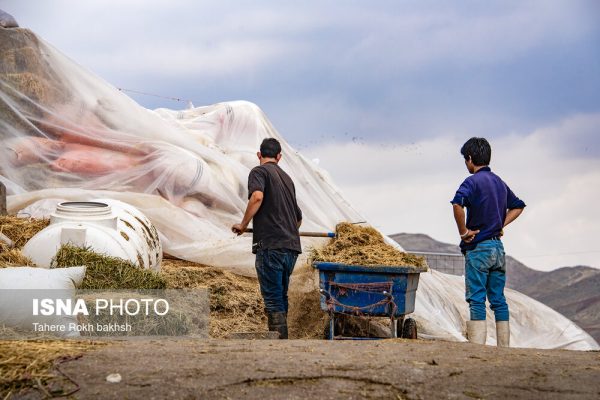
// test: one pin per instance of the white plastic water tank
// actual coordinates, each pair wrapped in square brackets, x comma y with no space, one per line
[106,226]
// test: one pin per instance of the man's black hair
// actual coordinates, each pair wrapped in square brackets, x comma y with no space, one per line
[270,148]
[478,149]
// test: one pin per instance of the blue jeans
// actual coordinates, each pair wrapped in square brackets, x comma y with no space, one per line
[485,275]
[274,268]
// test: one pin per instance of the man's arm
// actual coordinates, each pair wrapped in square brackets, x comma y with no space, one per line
[251,209]
[298,215]
[466,234]
[511,215]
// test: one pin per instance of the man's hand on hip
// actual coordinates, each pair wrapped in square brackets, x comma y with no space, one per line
[469,235]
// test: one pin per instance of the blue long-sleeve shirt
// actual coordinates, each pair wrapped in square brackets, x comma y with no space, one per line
[487,199]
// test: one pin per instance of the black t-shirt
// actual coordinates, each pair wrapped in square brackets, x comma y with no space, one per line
[275,225]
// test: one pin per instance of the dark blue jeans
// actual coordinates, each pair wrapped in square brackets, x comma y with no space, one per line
[485,276]
[274,268]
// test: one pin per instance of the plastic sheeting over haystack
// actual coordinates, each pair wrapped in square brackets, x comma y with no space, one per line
[67,135]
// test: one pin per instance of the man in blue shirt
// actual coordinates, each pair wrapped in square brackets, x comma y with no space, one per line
[491,205]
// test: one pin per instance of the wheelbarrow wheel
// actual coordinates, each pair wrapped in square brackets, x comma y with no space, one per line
[409,329]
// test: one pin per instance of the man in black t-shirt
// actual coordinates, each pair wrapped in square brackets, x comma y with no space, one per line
[276,217]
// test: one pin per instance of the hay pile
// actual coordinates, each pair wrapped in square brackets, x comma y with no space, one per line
[358,245]
[23,65]
[185,316]
[306,320]
[235,301]
[14,258]
[31,364]
[19,230]
[105,272]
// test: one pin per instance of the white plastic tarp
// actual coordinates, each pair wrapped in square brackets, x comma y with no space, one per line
[21,287]
[441,312]
[66,134]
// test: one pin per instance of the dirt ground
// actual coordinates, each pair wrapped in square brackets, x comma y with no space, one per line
[301,369]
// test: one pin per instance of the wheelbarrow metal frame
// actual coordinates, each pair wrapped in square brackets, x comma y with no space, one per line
[394,303]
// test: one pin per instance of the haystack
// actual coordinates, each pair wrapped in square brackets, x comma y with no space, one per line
[306,320]
[22,66]
[186,316]
[19,230]
[106,272]
[235,301]
[14,258]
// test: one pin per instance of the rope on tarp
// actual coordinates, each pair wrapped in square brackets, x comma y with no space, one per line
[187,101]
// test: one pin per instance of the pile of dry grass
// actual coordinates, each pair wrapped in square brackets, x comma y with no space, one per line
[32,364]
[306,320]
[359,245]
[236,304]
[19,230]
[23,65]
[14,258]
[235,301]
[105,272]
[179,321]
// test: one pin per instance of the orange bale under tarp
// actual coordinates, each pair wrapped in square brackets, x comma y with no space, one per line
[84,127]
[30,150]
[109,140]
[93,161]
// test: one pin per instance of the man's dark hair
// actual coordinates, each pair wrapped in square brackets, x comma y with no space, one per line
[478,149]
[270,148]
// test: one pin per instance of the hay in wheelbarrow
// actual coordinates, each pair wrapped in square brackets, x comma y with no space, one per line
[360,245]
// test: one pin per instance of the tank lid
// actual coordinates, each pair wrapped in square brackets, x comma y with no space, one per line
[83,209]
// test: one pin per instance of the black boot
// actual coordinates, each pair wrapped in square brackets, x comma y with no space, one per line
[278,323]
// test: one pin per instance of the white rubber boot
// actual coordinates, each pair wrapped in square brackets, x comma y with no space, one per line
[503,333]
[476,331]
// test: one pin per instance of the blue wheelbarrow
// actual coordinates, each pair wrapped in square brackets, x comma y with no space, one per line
[379,291]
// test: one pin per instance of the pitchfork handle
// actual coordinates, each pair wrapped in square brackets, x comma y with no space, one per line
[309,234]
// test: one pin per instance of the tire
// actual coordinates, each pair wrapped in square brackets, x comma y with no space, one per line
[409,329]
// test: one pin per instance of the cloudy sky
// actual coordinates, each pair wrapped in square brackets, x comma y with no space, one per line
[383,93]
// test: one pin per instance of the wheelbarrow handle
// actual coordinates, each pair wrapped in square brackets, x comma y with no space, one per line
[308,234]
